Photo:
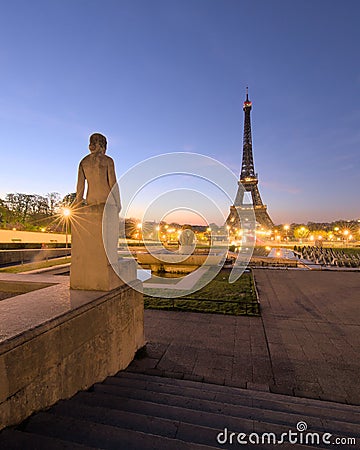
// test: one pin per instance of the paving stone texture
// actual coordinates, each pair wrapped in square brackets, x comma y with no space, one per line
[305,344]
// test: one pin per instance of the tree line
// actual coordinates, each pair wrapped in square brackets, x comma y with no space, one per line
[32,211]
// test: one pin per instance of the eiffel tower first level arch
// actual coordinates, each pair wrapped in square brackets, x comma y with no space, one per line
[248,180]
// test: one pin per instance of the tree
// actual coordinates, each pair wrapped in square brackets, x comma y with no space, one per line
[69,199]
[4,213]
[301,232]
[53,202]
[29,210]
[19,205]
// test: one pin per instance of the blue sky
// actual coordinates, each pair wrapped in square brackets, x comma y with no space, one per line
[158,76]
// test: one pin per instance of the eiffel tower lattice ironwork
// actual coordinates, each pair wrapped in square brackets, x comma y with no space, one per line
[248,180]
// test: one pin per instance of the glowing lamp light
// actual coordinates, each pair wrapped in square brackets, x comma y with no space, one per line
[66,212]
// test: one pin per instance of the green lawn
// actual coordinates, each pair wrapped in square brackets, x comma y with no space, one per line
[36,265]
[219,296]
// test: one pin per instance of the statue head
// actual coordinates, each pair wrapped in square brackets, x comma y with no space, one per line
[98,143]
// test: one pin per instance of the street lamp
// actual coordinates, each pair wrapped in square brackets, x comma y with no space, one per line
[286,228]
[139,227]
[208,235]
[66,212]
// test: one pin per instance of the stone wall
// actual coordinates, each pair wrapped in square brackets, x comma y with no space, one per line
[8,257]
[69,353]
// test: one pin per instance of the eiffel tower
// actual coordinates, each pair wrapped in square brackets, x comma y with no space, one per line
[248,181]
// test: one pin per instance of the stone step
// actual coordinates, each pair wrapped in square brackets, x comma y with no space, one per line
[94,412]
[146,424]
[179,414]
[240,391]
[236,396]
[192,426]
[102,436]
[11,439]
[210,420]
[137,411]
[200,404]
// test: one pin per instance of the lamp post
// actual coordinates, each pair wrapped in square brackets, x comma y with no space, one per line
[66,212]
[139,227]
[208,235]
[286,228]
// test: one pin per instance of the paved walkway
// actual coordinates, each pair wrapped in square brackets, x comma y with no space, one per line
[306,343]
[313,332]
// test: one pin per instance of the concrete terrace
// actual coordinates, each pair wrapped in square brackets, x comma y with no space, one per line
[305,344]
[203,373]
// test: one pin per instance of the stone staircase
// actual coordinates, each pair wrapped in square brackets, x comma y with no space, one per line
[138,411]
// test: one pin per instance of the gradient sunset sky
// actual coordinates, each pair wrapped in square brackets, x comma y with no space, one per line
[159,76]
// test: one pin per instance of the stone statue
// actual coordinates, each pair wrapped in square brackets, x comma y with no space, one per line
[98,171]
[95,264]
[187,237]
[187,241]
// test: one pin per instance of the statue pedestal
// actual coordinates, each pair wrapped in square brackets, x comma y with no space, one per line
[127,269]
[187,249]
[91,266]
